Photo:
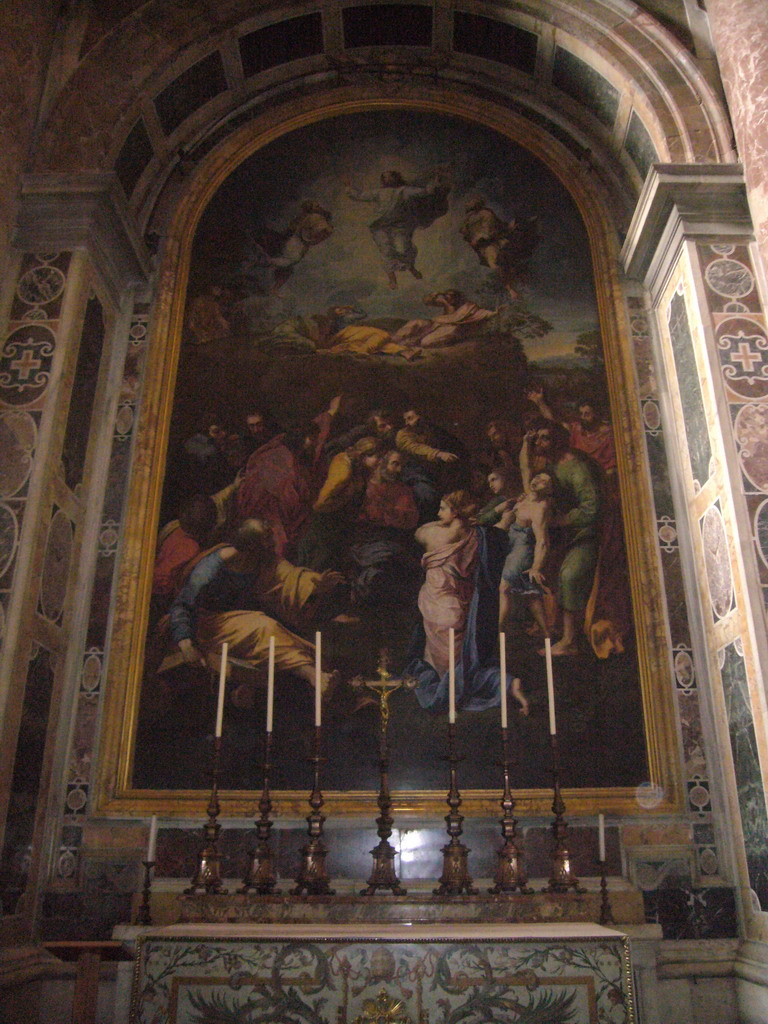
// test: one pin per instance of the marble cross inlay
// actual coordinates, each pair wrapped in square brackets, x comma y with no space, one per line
[27,364]
[746,356]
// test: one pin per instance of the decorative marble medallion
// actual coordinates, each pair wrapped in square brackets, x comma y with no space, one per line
[25,364]
[55,575]
[751,432]
[729,278]
[716,561]
[18,437]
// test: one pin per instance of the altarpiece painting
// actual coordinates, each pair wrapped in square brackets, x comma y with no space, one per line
[391,417]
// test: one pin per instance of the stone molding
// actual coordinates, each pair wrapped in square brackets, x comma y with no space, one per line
[751,962]
[680,201]
[696,958]
[85,211]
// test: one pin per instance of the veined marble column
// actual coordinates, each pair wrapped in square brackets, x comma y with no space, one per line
[740,35]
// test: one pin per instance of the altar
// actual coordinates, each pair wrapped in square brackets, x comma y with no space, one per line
[196,973]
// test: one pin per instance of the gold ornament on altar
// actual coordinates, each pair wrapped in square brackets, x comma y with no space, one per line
[383,1010]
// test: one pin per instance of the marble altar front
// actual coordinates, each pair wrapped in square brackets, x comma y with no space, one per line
[389,974]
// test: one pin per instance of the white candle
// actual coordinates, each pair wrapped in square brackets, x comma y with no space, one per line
[550,686]
[451,676]
[503,682]
[318,681]
[601,835]
[271,684]
[152,844]
[222,687]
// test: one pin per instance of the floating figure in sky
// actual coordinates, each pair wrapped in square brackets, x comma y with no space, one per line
[280,251]
[504,246]
[207,316]
[401,208]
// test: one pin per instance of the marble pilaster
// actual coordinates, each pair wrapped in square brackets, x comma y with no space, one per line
[740,34]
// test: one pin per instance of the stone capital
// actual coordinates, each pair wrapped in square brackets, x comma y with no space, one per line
[85,211]
[678,202]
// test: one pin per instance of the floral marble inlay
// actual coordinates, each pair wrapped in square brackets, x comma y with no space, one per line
[308,981]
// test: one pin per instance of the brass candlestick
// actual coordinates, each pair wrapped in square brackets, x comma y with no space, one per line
[144,915]
[562,878]
[383,875]
[510,871]
[207,877]
[455,878]
[606,915]
[260,875]
[313,877]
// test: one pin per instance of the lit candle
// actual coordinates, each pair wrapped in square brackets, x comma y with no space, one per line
[503,683]
[222,686]
[152,844]
[601,835]
[318,681]
[550,686]
[271,683]
[451,676]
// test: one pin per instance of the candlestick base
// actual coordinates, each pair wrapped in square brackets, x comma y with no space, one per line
[606,915]
[562,878]
[260,876]
[207,877]
[383,874]
[144,915]
[455,878]
[313,878]
[510,871]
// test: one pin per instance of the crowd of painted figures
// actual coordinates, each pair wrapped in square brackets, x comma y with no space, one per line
[282,530]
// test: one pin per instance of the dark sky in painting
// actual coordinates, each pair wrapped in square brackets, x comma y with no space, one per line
[319,161]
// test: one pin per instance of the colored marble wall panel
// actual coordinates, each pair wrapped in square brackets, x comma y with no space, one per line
[495,40]
[134,157]
[691,399]
[193,88]
[86,378]
[583,83]
[746,764]
[27,772]
[639,146]
[272,45]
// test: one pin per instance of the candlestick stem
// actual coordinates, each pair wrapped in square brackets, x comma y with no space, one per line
[207,877]
[606,915]
[510,870]
[144,915]
[313,877]
[562,878]
[260,876]
[455,878]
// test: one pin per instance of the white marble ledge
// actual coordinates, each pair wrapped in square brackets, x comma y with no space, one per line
[553,932]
